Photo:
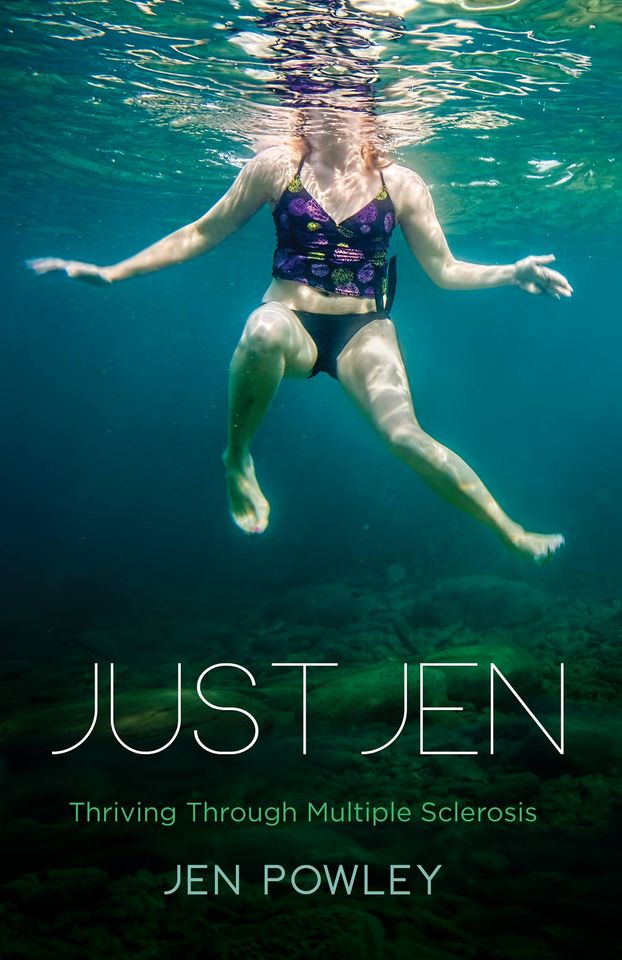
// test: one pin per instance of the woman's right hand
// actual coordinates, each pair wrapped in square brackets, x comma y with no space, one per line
[88,272]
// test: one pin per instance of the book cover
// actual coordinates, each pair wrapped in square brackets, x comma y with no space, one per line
[367,728]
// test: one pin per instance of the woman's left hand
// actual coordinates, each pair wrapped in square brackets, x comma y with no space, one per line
[532,275]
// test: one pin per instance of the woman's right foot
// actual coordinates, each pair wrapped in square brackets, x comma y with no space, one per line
[539,546]
[249,508]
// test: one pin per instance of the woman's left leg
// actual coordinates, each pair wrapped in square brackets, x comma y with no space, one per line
[371,370]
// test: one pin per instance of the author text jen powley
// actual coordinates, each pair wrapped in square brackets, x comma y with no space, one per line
[396,879]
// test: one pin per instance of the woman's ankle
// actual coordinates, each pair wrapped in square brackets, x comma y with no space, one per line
[237,460]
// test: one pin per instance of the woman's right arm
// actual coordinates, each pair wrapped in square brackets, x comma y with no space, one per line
[254,186]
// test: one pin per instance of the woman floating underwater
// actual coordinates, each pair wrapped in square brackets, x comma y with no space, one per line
[335,200]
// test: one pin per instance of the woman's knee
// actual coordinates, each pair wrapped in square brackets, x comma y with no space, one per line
[409,442]
[266,331]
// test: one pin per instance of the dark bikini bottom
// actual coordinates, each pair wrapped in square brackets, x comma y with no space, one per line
[331,332]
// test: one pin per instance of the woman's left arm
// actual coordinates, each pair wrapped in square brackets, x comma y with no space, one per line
[425,237]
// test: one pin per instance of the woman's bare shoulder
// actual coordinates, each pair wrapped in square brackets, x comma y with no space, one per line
[275,165]
[408,189]
[276,157]
[399,175]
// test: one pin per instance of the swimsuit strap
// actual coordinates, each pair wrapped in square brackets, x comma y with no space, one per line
[382,178]
[302,160]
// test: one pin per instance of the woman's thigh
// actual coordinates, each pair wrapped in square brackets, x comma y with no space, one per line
[371,371]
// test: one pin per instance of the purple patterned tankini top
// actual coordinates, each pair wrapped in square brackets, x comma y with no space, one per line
[348,258]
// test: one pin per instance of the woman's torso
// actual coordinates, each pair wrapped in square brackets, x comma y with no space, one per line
[340,203]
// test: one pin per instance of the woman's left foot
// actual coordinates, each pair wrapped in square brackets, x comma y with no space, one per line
[539,546]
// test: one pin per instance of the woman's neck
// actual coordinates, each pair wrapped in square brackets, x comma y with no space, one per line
[333,152]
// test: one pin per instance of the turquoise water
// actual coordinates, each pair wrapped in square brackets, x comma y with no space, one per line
[125,120]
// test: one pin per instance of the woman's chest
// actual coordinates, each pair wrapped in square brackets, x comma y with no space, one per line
[302,215]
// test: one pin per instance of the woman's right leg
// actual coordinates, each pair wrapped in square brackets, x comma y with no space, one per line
[274,344]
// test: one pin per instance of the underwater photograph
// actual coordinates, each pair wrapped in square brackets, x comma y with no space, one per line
[312,617]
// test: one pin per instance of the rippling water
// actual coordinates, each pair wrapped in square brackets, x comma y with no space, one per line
[513,98]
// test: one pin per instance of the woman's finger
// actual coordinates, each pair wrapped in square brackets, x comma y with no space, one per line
[558,280]
[561,285]
[560,289]
[545,258]
[554,275]
[552,282]
[45,264]
[36,265]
